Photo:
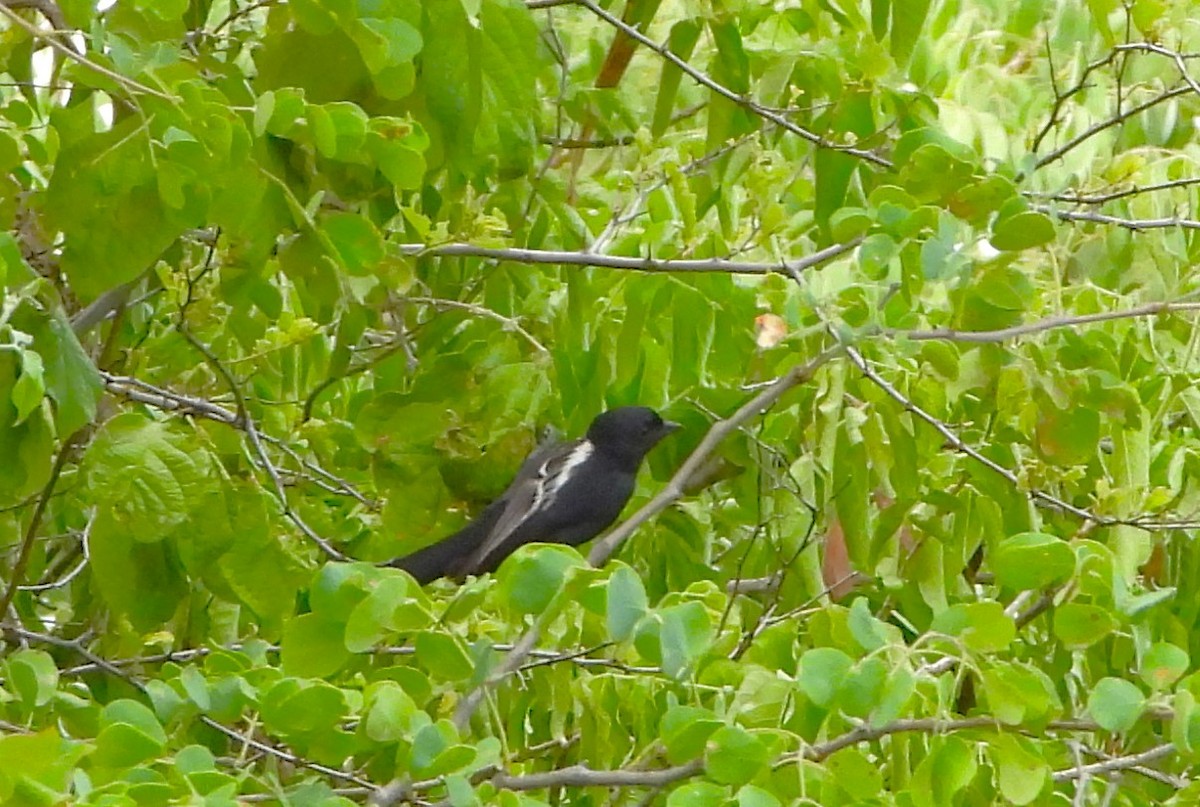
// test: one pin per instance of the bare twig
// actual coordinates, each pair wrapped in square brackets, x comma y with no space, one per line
[800,374]
[256,442]
[1136,225]
[1040,326]
[1115,120]
[1078,198]
[135,389]
[508,323]
[1116,763]
[55,41]
[112,669]
[728,94]
[538,256]
[1038,496]
[35,522]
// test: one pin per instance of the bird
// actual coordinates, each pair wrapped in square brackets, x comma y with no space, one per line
[565,493]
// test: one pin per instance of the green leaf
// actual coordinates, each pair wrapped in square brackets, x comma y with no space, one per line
[1080,625]
[300,708]
[697,794]
[435,751]
[1185,723]
[390,711]
[1032,560]
[863,687]
[854,773]
[44,757]
[1022,231]
[196,687]
[685,636]
[1068,436]
[532,576]
[982,626]
[685,730]
[359,245]
[147,475]
[734,756]
[1115,704]
[821,674]
[33,675]
[907,21]
[27,393]
[681,42]
[897,693]
[442,656]
[751,796]
[1020,771]
[374,617]
[129,734]
[1163,665]
[626,603]
[313,646]
[869,632]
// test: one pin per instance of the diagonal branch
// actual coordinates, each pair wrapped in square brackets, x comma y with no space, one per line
[742,101]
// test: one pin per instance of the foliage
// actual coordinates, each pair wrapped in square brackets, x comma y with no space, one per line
[291,288]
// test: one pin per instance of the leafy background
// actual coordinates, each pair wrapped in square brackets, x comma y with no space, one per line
[291,288]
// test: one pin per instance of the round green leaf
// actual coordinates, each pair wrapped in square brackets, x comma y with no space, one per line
[1022,231]
[1032,560]
[1115,704]
[313,647]
[982,626]
[734,756]
[1080,625]
[626,603]
[531,577]
[822,672]
[1163,665]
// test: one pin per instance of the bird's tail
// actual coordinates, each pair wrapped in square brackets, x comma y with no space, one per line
[443,559]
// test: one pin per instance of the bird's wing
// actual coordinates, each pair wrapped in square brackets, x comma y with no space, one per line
[531,493]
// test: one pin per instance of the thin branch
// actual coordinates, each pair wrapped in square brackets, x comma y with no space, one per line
[957,442]
[1060,99]
[728,94]
[256,442]
[1136,225]
[1116,763]
[35,521]
[54,40]
[100,663]
[539,256]
[1115,120]
[135,389]
[1174,55]
[581,776]
[800,374]
[614,142]
[925,725]
[509,323]
[1039,326]
[1176,782]
[1101,198]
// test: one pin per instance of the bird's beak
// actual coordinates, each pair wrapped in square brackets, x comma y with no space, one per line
[671,426]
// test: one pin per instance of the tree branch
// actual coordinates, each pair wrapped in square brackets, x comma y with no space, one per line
[728,94]
[539,256]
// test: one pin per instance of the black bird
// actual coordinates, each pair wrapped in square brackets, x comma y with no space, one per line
[565,493]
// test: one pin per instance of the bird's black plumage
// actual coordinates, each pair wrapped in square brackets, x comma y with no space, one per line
[564,493]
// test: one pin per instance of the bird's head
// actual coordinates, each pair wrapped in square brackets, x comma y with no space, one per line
[629,432]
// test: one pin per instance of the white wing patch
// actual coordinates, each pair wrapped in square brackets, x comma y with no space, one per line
[552,476]
[552,479]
